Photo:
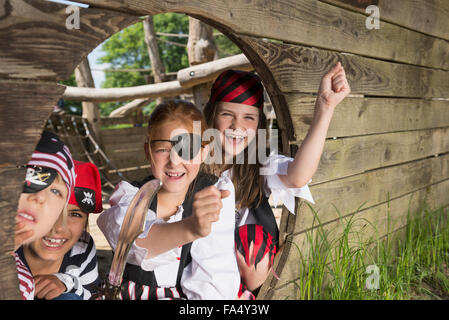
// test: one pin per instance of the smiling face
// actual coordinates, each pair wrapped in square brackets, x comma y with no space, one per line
[41,209]
[62,237]
[237,124]
[175,173]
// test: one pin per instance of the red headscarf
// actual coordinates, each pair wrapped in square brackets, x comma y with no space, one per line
[87,194]
[238,87]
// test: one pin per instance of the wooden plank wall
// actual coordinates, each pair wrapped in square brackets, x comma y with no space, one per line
[386,143]
[37,51]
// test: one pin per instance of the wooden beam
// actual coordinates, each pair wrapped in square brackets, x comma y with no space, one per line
[427,16]
[311,23]
[128,108]
[355,155]
[164,89]
[188,78]
[299,69]
[370,115]
[21,125]
[371,188]
[37,44]
[209,71]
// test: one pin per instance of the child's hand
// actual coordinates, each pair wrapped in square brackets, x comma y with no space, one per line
[206,210]
[48,286]
[21,235]
[334,87]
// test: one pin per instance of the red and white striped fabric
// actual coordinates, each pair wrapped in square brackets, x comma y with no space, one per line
[26,281]
[51,152]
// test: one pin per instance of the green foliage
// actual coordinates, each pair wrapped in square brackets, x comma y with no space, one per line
[415,266]
[127,50]
[226,47]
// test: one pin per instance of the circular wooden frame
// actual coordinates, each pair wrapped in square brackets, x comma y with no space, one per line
[31,88]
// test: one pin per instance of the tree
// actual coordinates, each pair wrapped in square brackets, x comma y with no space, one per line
[127,50]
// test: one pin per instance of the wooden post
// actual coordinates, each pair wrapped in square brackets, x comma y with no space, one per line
[157,66]
[91,110]
[201,48]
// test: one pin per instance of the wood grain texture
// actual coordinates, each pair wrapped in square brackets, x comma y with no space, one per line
[299,69]
[349,156]
[25,107]
[370,115]
[36,44]
[371,188]
[311,23]
[427,16]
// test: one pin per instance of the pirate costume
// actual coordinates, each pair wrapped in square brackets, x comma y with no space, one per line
[203,269]
[257,224]
[78,270]
[50,158]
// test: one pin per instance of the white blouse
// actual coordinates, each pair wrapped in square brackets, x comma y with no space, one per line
[213,272]
[277,164]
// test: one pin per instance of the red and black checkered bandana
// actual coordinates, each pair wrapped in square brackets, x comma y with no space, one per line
[238,87]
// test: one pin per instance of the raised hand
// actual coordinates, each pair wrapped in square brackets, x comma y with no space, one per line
[334,87]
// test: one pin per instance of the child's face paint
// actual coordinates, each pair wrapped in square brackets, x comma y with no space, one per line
[237,124]
[175,172]
[62,237]
[41,209]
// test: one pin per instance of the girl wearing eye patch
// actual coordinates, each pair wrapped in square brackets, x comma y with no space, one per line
[235,108]
[187,248]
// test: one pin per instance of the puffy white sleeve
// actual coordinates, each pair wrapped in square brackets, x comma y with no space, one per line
[213,273]
[110,222]
[276,165]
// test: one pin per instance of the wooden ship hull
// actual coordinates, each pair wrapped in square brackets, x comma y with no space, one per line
[388,144]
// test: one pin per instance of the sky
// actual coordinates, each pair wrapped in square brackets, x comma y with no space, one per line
[97,75]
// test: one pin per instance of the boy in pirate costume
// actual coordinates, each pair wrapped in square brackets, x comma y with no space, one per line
[49,183]
[235,108]
[63,262]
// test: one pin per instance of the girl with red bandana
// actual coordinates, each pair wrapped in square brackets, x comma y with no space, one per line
[235,108]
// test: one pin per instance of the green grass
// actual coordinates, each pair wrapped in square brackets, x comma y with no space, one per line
[412,263]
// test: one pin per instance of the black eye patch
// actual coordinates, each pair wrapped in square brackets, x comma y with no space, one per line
[38,178]
[186,145]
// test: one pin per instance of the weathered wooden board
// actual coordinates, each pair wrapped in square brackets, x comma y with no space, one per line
[347,195]
[299,69]
[124,135]
[427,16]
[310,23]
[36,44]
[20,125]
[387,219]
[349,156]
[370,115]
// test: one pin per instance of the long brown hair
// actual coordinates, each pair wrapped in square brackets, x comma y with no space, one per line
[248,182]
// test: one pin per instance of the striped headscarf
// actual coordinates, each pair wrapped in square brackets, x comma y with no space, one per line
[52,153]
[238,87]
